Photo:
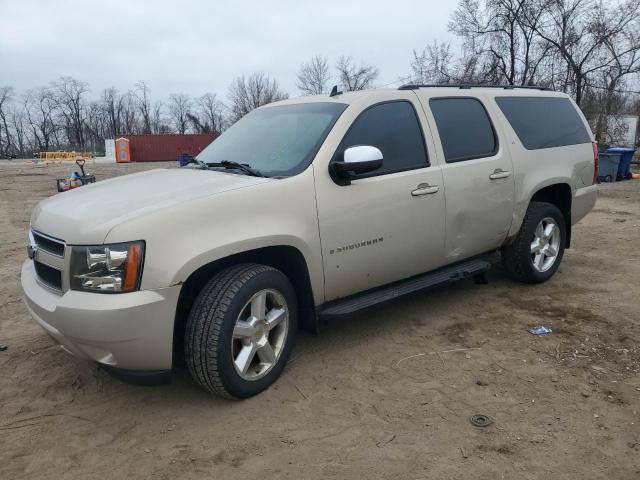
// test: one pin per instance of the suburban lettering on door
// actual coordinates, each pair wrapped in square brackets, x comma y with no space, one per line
[356,245]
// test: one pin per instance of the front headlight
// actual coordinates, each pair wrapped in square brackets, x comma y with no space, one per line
[114,268]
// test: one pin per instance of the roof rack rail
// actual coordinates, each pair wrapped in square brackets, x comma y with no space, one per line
[415,86]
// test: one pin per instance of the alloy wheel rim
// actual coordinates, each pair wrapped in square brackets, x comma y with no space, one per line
[259,334]
[545,245]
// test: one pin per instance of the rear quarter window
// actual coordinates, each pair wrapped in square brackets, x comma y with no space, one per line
[544,122]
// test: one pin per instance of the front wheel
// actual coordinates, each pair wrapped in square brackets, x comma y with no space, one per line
[537,251]
[240,330]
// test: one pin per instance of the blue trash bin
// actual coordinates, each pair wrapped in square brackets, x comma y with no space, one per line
[184,159]
[608,167]
[624,168]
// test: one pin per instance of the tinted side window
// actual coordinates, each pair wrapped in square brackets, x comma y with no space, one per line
[464,127]
[544,122]
[393,128]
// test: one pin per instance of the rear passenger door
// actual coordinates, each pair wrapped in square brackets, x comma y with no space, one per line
[478,176]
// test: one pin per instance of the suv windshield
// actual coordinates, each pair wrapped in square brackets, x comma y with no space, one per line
[276,141]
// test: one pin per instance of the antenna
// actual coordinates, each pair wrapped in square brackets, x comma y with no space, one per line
[334,91]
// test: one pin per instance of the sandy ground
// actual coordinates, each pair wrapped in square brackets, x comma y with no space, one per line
[385,395]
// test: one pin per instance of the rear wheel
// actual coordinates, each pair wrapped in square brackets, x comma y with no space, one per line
[240,330]
[537,251]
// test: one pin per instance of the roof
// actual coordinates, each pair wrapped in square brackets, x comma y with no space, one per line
[381,94]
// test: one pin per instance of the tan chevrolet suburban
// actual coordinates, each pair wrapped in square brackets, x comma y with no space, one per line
[308,208]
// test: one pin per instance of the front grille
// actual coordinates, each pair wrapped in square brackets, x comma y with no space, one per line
[49,244]
[49,275]
[48,259]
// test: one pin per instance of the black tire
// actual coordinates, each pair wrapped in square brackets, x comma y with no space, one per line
[516,257]
[210,325]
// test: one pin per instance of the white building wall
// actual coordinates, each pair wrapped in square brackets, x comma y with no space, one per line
[109,151]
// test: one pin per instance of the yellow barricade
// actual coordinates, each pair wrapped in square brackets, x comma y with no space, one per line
[65,156]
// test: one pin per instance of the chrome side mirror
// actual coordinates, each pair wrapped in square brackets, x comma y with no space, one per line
[357,160]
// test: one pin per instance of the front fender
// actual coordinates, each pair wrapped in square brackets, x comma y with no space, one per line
[185,237]
[241,246]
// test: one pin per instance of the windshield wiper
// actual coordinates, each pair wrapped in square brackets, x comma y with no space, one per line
[237,166]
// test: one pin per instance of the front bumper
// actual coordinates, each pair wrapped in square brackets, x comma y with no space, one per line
[131,331]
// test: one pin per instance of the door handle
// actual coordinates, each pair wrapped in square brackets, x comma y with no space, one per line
[425,189]
[499,173]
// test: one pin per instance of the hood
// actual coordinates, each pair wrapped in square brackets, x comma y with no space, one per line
[86,215]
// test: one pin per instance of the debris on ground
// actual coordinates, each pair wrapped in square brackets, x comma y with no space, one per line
[537,438]
[540,330]
[481,420]
[391,439]
[3,348]
[482,383]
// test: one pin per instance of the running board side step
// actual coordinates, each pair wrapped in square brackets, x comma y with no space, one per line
[349,305]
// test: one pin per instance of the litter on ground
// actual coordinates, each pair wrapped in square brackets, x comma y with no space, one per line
[540,330]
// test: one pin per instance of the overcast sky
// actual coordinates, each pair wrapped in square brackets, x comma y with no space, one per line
[195,46]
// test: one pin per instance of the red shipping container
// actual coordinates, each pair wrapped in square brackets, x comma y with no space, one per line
[167,147]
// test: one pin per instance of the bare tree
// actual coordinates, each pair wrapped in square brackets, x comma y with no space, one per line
[502,33]
[313,76]
[18,125]
[40,108]
[248,93]
[112,106]
[604,98]
[212,111]
[70,99]
[62,116]
[6,96]
[579,30]
[433,64]
[420,68]
[179,110]
[130,121]
[141,93]
[467,69]
[355,78]
[158,122]
[95,125]
[197,124]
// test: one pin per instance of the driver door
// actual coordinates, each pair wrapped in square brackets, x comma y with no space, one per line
[388,224]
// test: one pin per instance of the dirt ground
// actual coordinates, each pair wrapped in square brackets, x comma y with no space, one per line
[387,394]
